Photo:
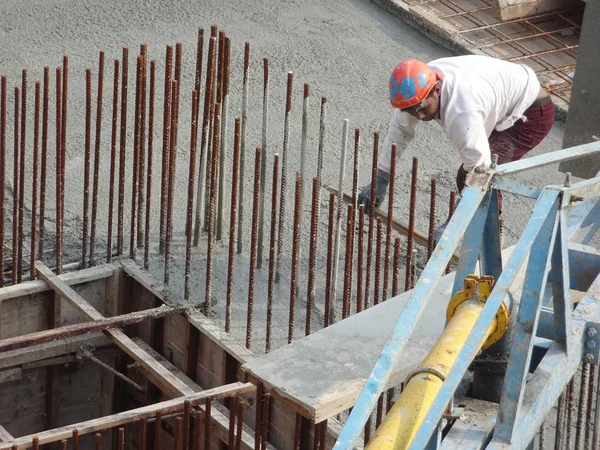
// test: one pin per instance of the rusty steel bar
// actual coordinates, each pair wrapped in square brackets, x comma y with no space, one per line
[331,222]
[258,415]
[199,63]
[177,434]
[560,422]
[63,145]
[187,406]
[2,171]
[388,229]
[220,66]
[44,158]
[282,194]
[142,433]
[323,436]
[253,245]
[121,438]
[272,249]
[240,422]
[396,269]
[113,160]
[157,430]
[316,430]
[35,443]
[197,429]
[355,170]
[570,410]
[590,406]
[297,432]
[322,129]
[63,445]
[86,166]
[122,149]
[348,266]
[376,284]
[16,184]
[584,381]
[367,436]
[224,127]
[295,255]
[207,422]
[203,174]
[142,137]
[211,210]
[304,137]
[231,435]
[58,169]
[371,212]
[265,421]
[34,191]
[98,441]
[411,222]
[149,172]
[389,399]
[171,193]
[379,417]
[312,256]
[360,258]
[76,439]
[243,144]
[135,172]
[22,174]
[164,178]
[97,155]
[264,143]
[451,205]
[430,237]
[232,222]
[190,199]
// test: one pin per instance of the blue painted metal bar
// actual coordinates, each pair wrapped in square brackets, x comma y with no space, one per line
[545,328]
[583,221]
[525,327]
[490,256]
[584,264]
[542,207]
[407,321]
[561,285]
[586,189]
[535,162]
[505,184]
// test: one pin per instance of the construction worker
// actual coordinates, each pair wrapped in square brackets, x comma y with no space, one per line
[484,105]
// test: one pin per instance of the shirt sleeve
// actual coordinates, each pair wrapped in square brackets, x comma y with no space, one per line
[402,132]
[467,132]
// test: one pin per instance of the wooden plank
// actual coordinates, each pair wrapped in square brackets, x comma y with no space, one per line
[399,227]
[115,420]
[5,436]
[9,375]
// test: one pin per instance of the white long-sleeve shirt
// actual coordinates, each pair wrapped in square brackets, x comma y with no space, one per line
[478,94]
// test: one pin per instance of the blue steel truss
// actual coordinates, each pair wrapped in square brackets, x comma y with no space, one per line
[553,245]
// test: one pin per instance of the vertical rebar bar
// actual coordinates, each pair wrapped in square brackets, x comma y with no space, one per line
[379,416]
[86,166]
[348,264]
[16,184]
[355,169]
[2,171]
[367,436]
[64,445]
[451,204]
[63,145]
[430,237]
[259,397]
[396,269]
[171,193]
[388,229]
[98,441]
[97,155]
[58,169]
[560,422]
[143,430]
[121,438]
[224,127]
[199,63]
[371,212]
[411,221]
[312,257]
[122,149]
[113,160]
[389,399]
[322,130]
[376,284]
[272,250]
[297,431]
[157,430]
[264,143]
[177,434]
[232,221]
[570,410]
[135,172]
[35,443]
[187,407]
[282,194]
[581,410]
[295,254]
[76,439]
[338,221]
[190,199]
[253,245]
[22,173]
[303,171]
[323,436]
[590,406]
[330,239]
[203,173]
[220,66]
[240,422]
[211,209]
[142,138]
[198,429]
[207,422]
[44,158]
[34,191]
[360,258]
[243,144]
[265,421]
[149,173]
[164,178]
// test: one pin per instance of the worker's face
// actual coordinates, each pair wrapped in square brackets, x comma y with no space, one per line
[428,108]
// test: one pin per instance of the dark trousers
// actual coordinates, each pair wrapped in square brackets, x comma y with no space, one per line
[515,142]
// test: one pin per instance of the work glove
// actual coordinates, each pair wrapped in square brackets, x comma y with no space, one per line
[381,187]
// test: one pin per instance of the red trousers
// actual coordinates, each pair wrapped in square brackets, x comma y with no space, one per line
[515,142]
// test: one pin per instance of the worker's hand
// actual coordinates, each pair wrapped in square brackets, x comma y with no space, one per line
[381,187]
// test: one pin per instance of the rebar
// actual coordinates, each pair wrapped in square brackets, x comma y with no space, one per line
[388,228]
[34,191]
[272,250]
[579,431]
[63,145]
[312,257]
[379,416]
[328,287]
[240,421]
[570,410]
[348,264]
[143,430]
[44,158]
[303,171]
[142,138]
[368,424]
[22,173]
[35,443]
[135,173]
[157,430]
[122,148]
[121,438]
[338,221]
[231,435]
[243,145]
[190,199]
[282,194]
[411,222]
[371,212]
[171,193]
[224,127]
[207,422]
[149,173]
[2,170]
[187,407]
[265,421]
[16,185]
[264,143]
[76,440]
[430,237]
[198,429]
[253,245]
[560,422]
[297,431]
[232,221]
[164,177]
[322,130]
[258,415]
[376,284]
[97,155]
[590,406]
[58,176]
[211,210]
[113,160]
[450,213]
[203,173]
[220,66]
[64,445]
[323,436]
[360,258]
[177,435]
[396,275]
[98,441]
[199,62]
[86,166]
[295,255]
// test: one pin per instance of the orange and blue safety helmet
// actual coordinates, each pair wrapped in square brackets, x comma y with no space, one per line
[410,83]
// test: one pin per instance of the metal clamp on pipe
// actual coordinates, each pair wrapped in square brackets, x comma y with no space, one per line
[404,419]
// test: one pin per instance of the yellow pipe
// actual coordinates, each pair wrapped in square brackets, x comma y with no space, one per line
[402,422]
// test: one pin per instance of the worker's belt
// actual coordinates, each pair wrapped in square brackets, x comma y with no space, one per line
[541,101]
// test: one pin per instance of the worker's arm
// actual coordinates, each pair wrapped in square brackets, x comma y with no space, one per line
[401,132]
